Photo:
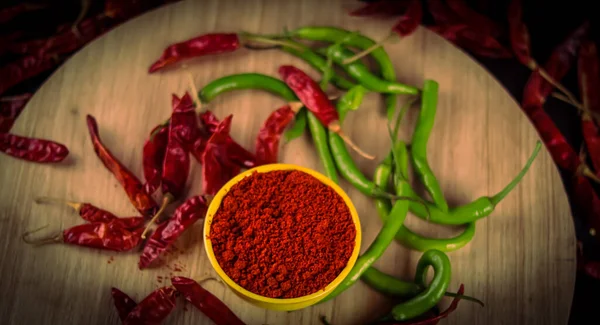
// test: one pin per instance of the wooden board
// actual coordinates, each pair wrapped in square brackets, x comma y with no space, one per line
[521,262]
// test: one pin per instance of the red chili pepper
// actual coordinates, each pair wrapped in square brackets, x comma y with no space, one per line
[31,149]
[519,35]
[474,19]
[123,303]
[217,167]
[142,201]
[383,8]
[153,157]
[591,268]
[154,309]
[235,152]
[103,235]
[409,22]
[316,101]
[267,142]
[589,84]
[10,108]
[184,217]
[198,46]
[25,68]
[432,320]
[205,301]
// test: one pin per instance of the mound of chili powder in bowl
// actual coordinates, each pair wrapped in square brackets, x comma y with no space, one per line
[282,234]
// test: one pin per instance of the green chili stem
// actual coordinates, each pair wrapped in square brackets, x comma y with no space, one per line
[504,192]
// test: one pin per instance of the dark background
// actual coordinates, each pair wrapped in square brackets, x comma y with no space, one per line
[548,22]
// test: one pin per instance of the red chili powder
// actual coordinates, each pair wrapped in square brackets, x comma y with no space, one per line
[282,234]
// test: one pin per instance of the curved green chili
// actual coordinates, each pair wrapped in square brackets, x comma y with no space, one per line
[430,297]
[298,127]
[316,61]
[405,236]
[319,136]
[419,144]
[379,245]
[334,34]
[246,81]
[480,208]
[361,73]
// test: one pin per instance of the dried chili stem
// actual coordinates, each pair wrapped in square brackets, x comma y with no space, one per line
[573,100]
[167,199]
[368,50]
[349,142]
[266,40]
[49,200]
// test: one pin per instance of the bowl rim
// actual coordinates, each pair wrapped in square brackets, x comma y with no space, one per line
[216,203]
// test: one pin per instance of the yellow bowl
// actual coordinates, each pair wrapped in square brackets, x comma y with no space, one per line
[279,303]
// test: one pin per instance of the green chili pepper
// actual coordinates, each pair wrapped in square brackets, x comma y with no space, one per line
[350,101]
[298,127]
[317,62]
[480,208]
[246,81]
[333,34]
[319,136]
[405,236]
[419,144]
[430,297]
[361,73]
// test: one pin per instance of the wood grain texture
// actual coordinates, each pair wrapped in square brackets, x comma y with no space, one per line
[521,261]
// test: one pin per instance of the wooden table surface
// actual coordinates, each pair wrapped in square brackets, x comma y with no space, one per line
[521,261]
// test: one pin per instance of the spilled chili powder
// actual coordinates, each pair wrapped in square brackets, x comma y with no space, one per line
[282,234]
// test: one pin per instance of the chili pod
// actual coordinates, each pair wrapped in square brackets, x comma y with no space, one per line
[235,152]
[31,149]
[267,142]
[205,301]
[153,156]
[123,303]
[154,309]
[217,167]
[141,200]
[184,217]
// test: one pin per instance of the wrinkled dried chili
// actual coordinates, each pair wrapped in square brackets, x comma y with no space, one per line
[589,83]
[102,235]
[142,201]
[123,303]
[31,149]
[153,156]
[236,153]
[519,35]
[316,101]
[300,230]
[474,19]
[267,142]
[24,68]
[205,301]
[184,217]
[154,309]
[217,166]
[410,20]
[10,108]
[202,45]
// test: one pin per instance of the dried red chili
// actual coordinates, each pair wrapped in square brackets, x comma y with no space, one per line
[123,303]
[10,108]
[589,83]
[205,301]
[282,234]
[519,35]
[586,202]
[141,200]
[267,142]
[153,156]
[474,19]
[411,19]
[154,309]
[382,8]
[217,166]
[195,47]
[92,213]
[236,153]
[24,68]
[315,100]
[103,235]
[31,149]
[184,217]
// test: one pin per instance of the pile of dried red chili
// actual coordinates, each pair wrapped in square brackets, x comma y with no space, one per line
[282,234]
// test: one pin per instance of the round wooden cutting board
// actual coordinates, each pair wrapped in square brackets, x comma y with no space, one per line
[521,262]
